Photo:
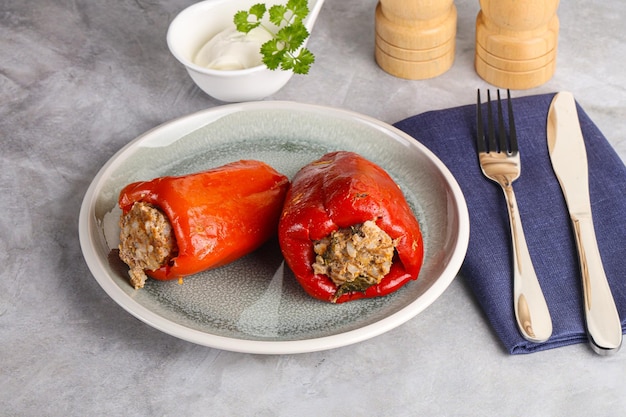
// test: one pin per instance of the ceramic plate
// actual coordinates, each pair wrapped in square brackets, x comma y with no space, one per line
[254,304]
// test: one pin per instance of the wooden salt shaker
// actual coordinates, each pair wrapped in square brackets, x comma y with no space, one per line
[516,42]
[415,39]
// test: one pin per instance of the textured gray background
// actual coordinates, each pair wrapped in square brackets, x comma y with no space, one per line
[79,79]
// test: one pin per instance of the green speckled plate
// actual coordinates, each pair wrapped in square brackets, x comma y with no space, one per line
[254,304]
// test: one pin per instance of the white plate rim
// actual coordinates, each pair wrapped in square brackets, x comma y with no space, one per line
[198,119]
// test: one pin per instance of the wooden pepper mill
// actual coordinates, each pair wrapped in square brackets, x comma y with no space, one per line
[415,39]
[516,42]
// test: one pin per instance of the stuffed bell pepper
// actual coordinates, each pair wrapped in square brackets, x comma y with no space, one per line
[172,227]
[347,231]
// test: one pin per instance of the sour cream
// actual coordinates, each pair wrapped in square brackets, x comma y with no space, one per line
[233,50]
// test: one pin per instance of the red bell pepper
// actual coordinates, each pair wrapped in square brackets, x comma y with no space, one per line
[339,191]
[217,216]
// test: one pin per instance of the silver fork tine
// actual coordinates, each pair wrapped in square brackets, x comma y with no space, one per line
[501,130]
[480,134]
[512,131]
[491,126]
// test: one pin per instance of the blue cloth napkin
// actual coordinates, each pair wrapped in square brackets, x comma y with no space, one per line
[450,134]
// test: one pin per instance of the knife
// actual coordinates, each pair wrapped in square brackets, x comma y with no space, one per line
[569,160]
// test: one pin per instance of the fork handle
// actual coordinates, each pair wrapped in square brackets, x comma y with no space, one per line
[531,310]
[603,323]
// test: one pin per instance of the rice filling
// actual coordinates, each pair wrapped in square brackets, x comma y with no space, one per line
[147,241]
[354,258]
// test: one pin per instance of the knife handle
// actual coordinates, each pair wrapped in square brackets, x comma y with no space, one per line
[603,323]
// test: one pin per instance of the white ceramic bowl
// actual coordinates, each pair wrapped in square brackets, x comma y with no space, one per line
[195,25]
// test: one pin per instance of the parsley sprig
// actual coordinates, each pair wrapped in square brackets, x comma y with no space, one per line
[283,50]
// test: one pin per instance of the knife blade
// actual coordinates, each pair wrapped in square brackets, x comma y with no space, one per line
[569,161]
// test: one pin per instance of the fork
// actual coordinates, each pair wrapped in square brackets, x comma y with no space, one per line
[500,162]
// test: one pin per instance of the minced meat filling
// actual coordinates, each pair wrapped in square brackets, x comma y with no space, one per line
[355,258]
[147,241]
